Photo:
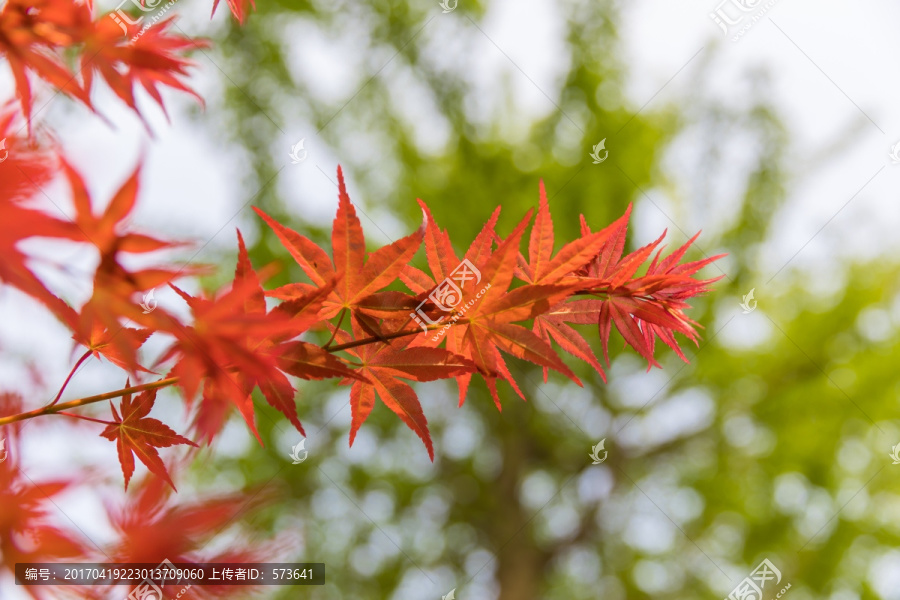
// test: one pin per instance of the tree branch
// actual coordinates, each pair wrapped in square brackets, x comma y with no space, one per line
[390,336]
[54,407]
[51,409]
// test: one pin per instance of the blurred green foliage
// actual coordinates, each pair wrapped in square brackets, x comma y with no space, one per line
[758,448]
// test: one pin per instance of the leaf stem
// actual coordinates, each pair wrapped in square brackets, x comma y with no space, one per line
[336,327]
[389,336]
[69,378]
[68,414]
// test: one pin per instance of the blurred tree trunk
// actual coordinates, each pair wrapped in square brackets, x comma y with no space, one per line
[520,563]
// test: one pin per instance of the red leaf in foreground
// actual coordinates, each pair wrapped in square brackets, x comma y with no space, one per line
[31,34]
[235,345]
[482,322]
[135,433]
[540,268]
[154,525]
[23,173]
[97,325]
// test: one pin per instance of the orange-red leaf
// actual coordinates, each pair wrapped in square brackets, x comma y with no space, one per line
[355,278]
[135,433]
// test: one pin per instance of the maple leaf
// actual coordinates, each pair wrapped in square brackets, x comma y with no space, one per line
[235,345]
[135,433]
[540,267]
[105,230]
[97,325]
[154,525]
[103,342]
[572,258]
[356,279]
[645,307]
[31,34]
[486,326]
[383,364]
[150,58]
[22,174]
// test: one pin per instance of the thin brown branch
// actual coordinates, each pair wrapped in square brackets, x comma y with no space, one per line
[49,410]
[54,408]
[390,336]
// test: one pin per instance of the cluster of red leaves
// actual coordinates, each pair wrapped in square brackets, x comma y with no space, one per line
[491,302]
[588,281]
[37,35]
[500,303]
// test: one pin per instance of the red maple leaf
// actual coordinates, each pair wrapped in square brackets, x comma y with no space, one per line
[357,280]
[640,307]
[148,57]
[31,34]
[486,325]
[23,172]
[383,364]
[35,34]
[106,230]
[154,525]
[235,344]
[539,268]
[135,433]
[98,324]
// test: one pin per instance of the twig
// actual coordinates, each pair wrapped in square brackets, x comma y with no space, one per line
[69,378]
[49,410]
